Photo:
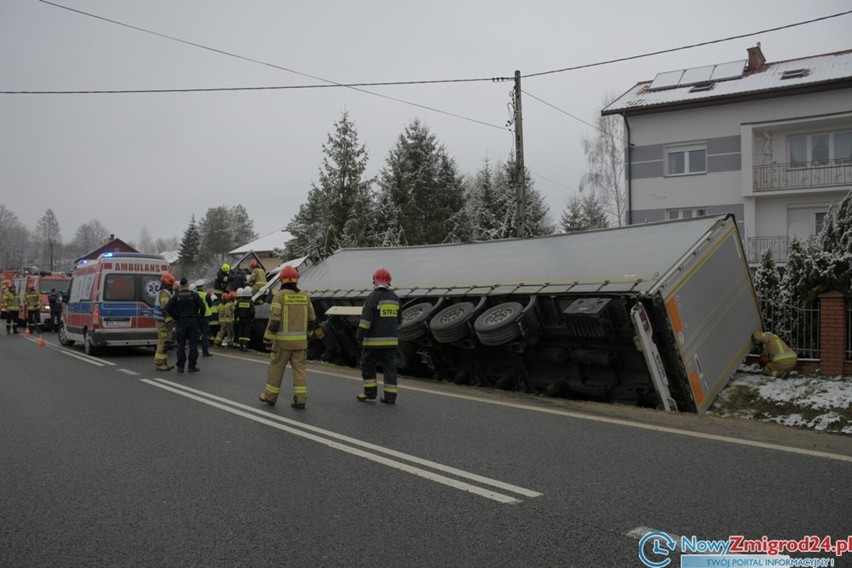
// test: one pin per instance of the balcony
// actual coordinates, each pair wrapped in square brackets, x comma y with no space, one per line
[803,175]
[778,246]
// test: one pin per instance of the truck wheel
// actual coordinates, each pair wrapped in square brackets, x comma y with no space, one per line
[413,319]
[89,347]
[450,324]
[498,325]
[63,336]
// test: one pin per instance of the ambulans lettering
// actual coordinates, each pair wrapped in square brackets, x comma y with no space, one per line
[139,267]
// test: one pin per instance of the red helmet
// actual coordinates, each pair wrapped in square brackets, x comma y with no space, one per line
[168,279]
[288,274]
[253,263]
[382,277]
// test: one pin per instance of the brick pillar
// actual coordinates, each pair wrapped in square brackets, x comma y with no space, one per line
[832,333]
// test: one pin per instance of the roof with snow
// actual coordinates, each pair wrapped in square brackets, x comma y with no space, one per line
[274,240]
[697,86]
[171,256]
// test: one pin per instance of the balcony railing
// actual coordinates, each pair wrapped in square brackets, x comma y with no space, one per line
[803,175]
[778,246]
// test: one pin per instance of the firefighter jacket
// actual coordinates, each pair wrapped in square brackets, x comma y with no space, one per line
[185,305]
[32,299]
[243,309]
[257,279]
[774,347]
[222,280]
[11,301]
[380,320]
[291,316]
[226,313]
[160,303]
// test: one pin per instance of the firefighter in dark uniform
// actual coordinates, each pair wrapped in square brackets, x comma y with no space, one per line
[223,278]
[187,309]
[377,332]
[291,320]
[243,317]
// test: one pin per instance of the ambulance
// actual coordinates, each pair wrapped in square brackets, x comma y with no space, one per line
[111,302]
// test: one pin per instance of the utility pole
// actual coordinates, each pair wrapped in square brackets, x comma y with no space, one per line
[520,191]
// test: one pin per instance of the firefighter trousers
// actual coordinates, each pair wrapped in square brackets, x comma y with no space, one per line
[386,358]
[163,335]
[278,364]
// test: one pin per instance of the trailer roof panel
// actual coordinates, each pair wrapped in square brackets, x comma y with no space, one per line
[611,260]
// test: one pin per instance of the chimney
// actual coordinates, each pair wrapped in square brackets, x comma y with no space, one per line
[756,60]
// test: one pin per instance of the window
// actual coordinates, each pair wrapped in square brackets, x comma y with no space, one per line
[685,160]
[686,213]
[819,222]
[120,288]
[820,149]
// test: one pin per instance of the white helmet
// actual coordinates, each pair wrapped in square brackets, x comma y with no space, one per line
[245,292]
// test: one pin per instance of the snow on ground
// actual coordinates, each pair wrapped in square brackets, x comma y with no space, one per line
[802,401]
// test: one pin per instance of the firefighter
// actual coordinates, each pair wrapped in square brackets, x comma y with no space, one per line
[257,278]
[291,319]
[377,332]
[243,317]
[223,278]
[186,308]
[12,305]
[32,300]
[204,322]
[164,322]
[777,359]
[226,321]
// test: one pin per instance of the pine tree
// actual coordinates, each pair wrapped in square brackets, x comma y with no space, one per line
[423,185]
[190,248]
[339,209]
[767,287]
[241,226]
[537,214]
[584,212]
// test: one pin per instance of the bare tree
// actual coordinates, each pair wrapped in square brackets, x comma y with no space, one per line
[15,241]
[605,157]
[89,236]
[47,232]
[146,244]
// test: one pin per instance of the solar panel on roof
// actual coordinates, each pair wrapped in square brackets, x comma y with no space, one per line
[696,75]
[730,70]
[666,80]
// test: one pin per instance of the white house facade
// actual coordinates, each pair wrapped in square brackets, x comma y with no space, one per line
[770,143]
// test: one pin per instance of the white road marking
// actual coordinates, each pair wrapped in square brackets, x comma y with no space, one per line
[273,421]
[128,372]
[639,532]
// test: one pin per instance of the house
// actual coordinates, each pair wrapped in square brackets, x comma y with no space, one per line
[265,248]
[113,245]
[769,142]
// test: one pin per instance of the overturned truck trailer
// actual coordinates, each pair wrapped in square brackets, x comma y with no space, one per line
[658,314]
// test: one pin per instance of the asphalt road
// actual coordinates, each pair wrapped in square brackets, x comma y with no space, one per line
[105,462]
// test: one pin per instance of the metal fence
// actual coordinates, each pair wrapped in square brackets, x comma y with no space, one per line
[849,334]
[797,326]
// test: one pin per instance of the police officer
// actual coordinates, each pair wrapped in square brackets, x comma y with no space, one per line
[187,309]
[163,321]
[55,301]
[291,319]
[377,331]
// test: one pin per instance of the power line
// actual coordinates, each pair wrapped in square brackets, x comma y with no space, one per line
[267,64]
[690,46]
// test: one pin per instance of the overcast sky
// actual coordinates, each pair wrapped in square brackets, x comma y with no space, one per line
[154,160]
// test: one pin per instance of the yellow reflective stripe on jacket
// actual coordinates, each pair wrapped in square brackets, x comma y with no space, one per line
[290,336]
[784,356]
[364,324]
[380,341]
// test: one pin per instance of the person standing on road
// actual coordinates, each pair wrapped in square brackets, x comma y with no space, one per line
[12,306]
[377,332]
[32,300]
[164,322]
[777,358]
[243,317]
[55,305]
[187,309]
[291,319]
[204,322]
[226,321]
